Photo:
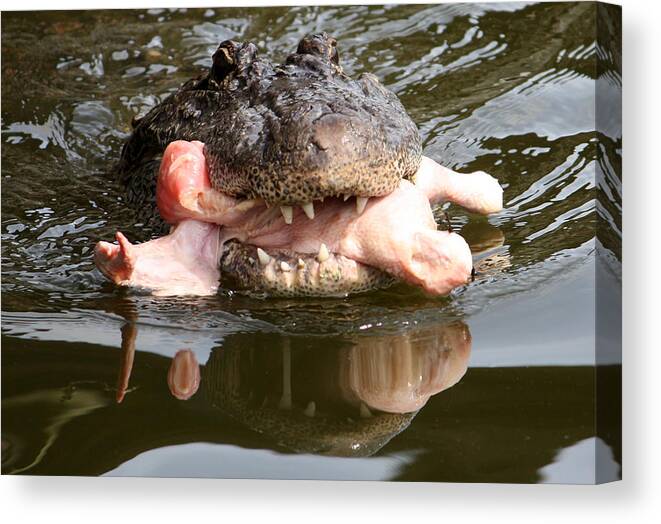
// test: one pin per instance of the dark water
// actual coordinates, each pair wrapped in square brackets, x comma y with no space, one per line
[495,383]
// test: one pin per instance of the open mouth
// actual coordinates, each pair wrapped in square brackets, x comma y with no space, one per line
[335,246]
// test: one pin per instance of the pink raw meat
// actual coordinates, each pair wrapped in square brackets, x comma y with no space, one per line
[396,233]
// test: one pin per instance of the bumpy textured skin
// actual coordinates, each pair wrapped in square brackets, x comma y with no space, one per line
[336,276]
[288,133]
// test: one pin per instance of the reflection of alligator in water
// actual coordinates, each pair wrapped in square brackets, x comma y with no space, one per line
[345,397]
[348,398]
[492,414]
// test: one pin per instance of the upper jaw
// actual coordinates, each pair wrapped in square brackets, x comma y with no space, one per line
[301,180]
[353,183]
[308,208]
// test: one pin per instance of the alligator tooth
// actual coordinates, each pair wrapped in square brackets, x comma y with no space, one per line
[284,266]
[365,411]
[263,256]
[301,263]
[310,409]
[361,202]
[323,254]
[287,213]
[308,209]
[347,197]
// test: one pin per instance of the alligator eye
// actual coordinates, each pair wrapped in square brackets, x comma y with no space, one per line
[306,46]
[334,55]
[332,50]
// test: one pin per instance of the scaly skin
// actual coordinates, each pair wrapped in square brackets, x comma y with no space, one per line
[288,134]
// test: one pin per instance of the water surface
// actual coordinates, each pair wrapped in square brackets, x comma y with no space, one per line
[493,383]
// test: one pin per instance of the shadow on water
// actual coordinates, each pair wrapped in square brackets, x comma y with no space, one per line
[363,387]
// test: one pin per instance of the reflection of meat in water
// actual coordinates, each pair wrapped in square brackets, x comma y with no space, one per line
[184,375]
[345,397]
[399,374]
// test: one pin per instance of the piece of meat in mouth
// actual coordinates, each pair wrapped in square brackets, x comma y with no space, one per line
[338,246]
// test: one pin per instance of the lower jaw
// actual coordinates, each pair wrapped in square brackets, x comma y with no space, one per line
[288,274]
